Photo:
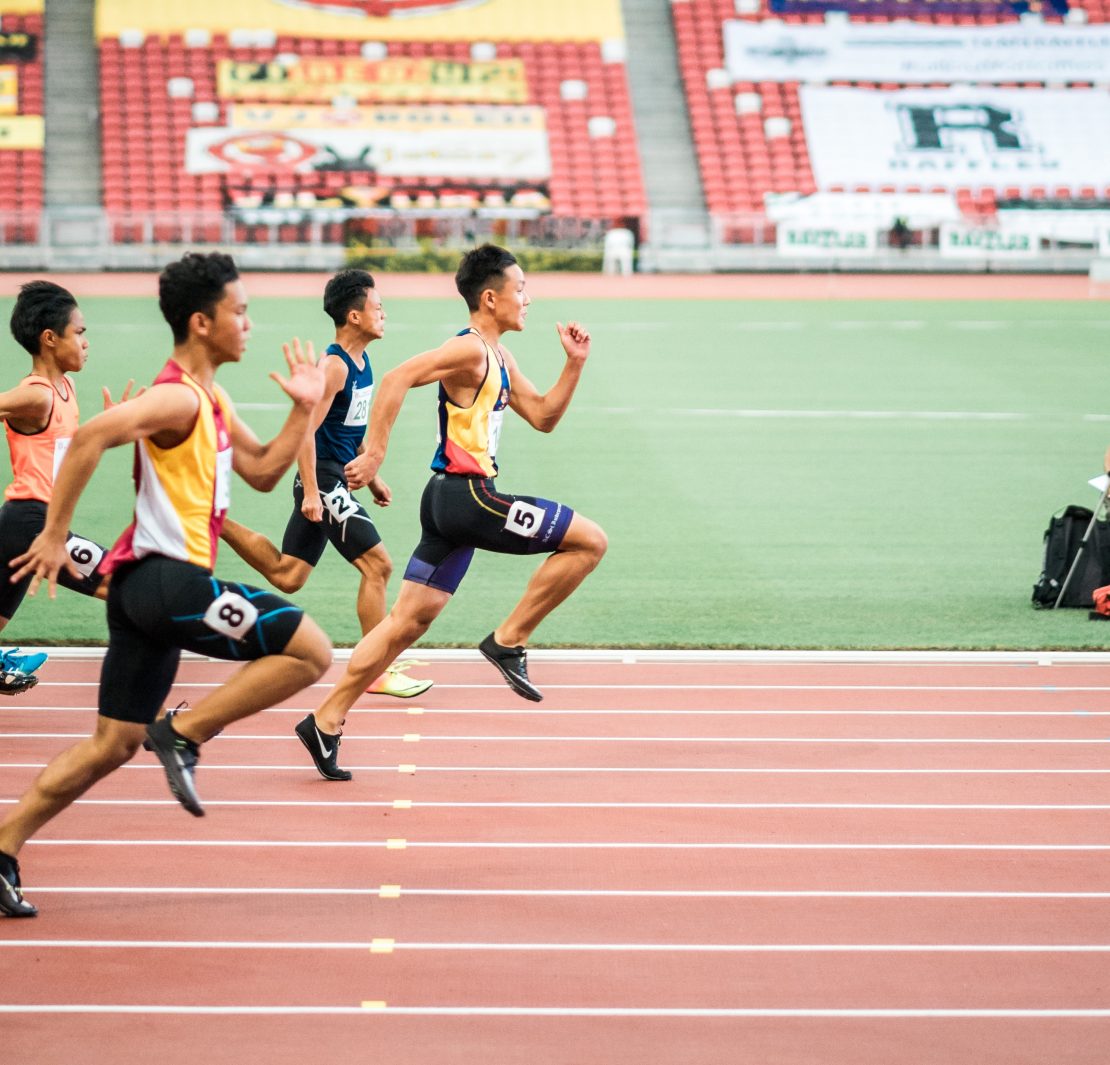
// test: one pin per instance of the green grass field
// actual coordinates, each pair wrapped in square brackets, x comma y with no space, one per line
[788,474]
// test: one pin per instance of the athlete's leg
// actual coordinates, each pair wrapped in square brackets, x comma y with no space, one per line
[259,684]
[416,608]
[285,572]
[68,777]
[375,568]
[582,548]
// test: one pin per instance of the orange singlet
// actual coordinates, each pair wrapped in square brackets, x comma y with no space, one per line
[37,456]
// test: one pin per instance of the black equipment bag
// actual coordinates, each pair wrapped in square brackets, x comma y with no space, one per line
[1061,544]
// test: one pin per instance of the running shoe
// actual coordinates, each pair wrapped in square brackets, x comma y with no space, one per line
[179,758]
[323,747]
[394,682]
[12,902]
[168,715]
[12,661]
[513,663]
[14,681]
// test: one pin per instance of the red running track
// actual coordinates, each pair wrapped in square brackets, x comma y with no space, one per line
[682,860]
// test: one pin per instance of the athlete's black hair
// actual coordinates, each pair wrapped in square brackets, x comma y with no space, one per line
[194,283]
[346,292]
[480,269]
[40,305]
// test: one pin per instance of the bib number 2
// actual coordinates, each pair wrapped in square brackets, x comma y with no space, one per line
[231,615]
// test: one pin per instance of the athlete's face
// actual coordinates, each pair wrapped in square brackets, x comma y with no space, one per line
[227,330]
[372,316]
[72,347]
[511,301]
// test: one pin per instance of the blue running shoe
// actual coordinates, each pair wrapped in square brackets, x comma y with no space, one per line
[13,661]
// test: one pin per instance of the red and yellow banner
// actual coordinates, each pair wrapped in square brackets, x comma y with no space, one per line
[320,80]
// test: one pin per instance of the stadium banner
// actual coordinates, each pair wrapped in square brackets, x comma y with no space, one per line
[505,154]
[918,8]
[321,80]
[9,90]
[370,20]
[15,44]
[959,137]
[916,52]
[959,241]
[21,131]
[412,118]
[817,240]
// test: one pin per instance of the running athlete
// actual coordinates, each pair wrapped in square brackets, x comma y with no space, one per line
[461,508]
[323,509]
[40,416]
[163,596]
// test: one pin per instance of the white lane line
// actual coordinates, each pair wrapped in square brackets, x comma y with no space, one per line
[390,844]
[377,1009]
[525,711]
[567,948]
[425,737]
[340,804]
[588,893]
[1051,689]
[210,767]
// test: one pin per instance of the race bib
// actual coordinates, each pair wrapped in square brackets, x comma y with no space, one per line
[222,498]
[496,417]
[231,615]
[524,519]
[358,413]
[61,446]
[339,503]
[84,554]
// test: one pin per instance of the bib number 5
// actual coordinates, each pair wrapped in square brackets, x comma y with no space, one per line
[524,519]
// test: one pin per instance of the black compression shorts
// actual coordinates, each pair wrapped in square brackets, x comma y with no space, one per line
[460,513]
[21,520]
[346,524]
[158,607]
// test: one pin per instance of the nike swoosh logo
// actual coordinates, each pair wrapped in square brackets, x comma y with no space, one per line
[320,740]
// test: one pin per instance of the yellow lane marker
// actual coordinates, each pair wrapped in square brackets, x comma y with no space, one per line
[389,891]
[373,1004]
[395,844]
[414,710]
[402,804]
[411,737]
[381,946]
[409,769]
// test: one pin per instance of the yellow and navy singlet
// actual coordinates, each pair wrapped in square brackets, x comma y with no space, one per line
[182,492]
[37,456]
[467,437]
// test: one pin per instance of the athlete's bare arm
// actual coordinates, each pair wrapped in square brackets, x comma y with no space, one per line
[262,465]
[544,411]
[459,365]
[26,407]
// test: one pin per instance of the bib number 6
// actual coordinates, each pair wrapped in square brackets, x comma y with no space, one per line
[231,615]
[84,554]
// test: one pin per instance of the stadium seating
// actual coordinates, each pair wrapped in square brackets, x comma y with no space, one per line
[749,136]
[21,170]
[595,170]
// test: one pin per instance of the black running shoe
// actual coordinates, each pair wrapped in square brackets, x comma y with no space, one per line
[179,758]
[324,749]
[12,902]
[15,681]
[513,663]
[168,715]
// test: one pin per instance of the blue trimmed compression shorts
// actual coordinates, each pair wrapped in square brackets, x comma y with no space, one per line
[158,607]
[459,514]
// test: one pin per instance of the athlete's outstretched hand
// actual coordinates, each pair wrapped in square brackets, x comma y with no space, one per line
[42,561]
[381,492]
[305,383]
[109,403]
[575,340]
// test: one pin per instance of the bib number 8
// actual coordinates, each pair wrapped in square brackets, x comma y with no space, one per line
[231,615]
